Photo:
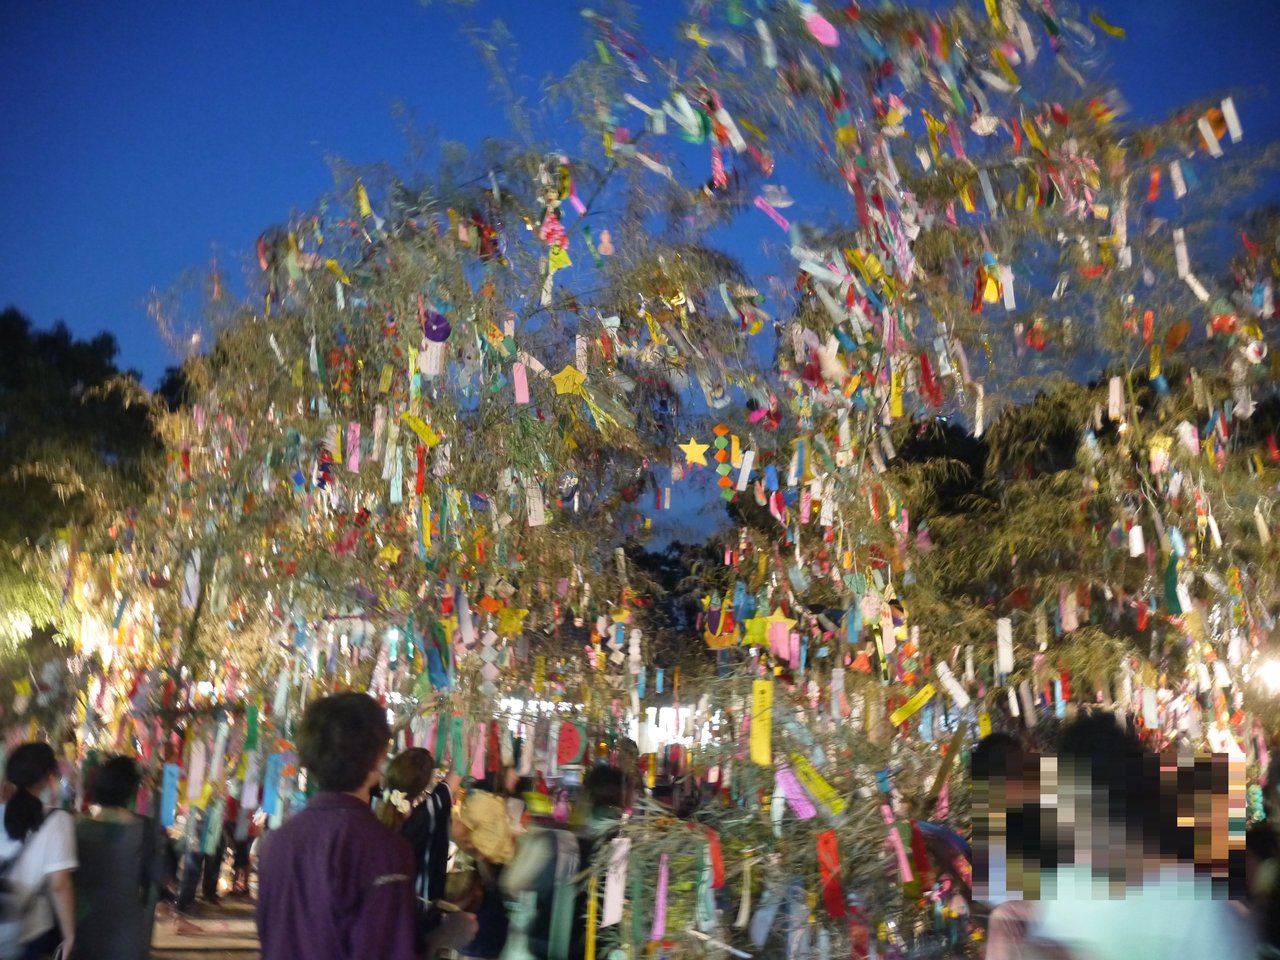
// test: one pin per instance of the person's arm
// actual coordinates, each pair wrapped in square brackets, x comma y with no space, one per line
[454,932]
[63,897]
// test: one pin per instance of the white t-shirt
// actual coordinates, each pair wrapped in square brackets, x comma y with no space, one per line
[1170,916]
[50,849]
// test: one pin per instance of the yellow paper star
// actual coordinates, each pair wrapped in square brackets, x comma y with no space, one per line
[755,631]
[695,452]
[569,380]
[511,621]
[779,617]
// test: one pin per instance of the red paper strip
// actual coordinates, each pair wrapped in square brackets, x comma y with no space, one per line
[829,865]
[717,859]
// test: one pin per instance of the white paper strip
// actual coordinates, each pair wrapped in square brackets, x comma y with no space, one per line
[615,883]
[196,769]
[1206,131]
[1115,399]
[1233,120]
[1180,253]
[1137,544]
[952,686]
[1004,645]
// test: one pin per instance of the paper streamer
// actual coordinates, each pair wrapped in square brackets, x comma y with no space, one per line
[952,686]
[169,795]
[1210,140]
[271,783]
[660,908]
[196,769]
[912,706]
[1004,645]
[744,905]
[219,752]
[817,785]
[895,840]
[249,796]
[615,883]
[786,782]
[829,873]
[762,722]
[768,208]
[1233,120]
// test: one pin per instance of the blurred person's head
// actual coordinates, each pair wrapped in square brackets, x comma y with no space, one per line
[115,782]
[32,769]
[406,781]
[604,793]
[482,827]
[342,742]
[998,768]
[1109,805]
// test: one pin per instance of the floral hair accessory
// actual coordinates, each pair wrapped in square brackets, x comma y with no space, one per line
[399,800]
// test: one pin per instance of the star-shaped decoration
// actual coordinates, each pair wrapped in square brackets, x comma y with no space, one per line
[511,621]
[755,631]
[695,452]
[779,626]
[569,380]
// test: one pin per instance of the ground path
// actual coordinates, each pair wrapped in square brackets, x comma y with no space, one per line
[222,932]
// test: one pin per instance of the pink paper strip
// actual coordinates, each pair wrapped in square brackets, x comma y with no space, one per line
[895,841]
[797,799]
[660,910]
[353,447]
[773,214]
[520,379]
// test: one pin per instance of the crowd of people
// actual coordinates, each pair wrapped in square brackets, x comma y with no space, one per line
[364,869]
[1094,849]
[1102,849]
[75,887]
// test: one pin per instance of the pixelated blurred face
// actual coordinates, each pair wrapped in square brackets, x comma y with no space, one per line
[1082,825]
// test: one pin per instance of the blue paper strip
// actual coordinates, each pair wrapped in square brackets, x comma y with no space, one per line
[169,796]
[271,783]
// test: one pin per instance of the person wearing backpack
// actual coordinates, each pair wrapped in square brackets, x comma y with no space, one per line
[120,868]
[37,858]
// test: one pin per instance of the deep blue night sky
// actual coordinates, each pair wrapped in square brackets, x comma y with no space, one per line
[141,139]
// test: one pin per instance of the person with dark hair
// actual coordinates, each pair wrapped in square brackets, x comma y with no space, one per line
[37,857]
[1116,897]
[120,868]
[421,809]
[998,771]
[333,882]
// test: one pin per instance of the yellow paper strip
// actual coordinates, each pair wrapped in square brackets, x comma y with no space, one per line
[1096,19]
[762,722]
[896,382]
[912,706]
[817,786]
